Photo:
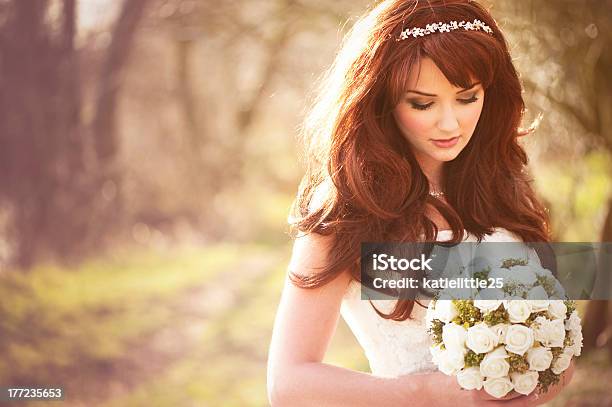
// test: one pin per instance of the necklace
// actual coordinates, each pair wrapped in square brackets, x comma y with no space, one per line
[436,194]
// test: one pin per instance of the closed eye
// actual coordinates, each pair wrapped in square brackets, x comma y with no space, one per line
[468,101]
[418,106]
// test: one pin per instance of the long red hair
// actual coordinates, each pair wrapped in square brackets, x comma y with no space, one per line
[363,183]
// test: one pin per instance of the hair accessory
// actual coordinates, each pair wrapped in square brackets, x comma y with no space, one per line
[444,27]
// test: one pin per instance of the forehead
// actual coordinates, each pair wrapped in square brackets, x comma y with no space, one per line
[427,77]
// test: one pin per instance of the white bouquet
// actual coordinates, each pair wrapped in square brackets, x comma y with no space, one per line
[519,335]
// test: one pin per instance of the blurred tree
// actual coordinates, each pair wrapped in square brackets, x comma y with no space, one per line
[565,63]
[51,186]
[253,42]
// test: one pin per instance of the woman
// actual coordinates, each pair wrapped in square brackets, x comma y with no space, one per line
[414,137]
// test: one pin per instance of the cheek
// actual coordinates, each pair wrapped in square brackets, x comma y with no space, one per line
[413,125]
[473,116]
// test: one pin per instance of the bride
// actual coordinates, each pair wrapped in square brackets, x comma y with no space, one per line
[414,137]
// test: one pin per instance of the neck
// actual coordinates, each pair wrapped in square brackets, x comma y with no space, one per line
[432,170]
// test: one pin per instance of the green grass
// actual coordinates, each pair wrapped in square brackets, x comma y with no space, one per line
[140,275]
[54,318]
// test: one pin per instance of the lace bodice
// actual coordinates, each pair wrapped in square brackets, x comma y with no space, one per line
[396,348]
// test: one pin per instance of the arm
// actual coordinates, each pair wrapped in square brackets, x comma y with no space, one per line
[305,323]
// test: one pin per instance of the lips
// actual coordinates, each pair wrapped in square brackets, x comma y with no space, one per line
[446,143]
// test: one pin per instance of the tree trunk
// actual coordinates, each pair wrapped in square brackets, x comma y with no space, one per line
[105,140]
[187,100]
[47,192]
[30,124]
[103,127]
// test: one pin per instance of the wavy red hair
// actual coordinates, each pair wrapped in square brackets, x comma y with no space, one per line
[363,183]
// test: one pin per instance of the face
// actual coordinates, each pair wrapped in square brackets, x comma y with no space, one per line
[437,118]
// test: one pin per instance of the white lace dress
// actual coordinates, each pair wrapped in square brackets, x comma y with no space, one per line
[396,348]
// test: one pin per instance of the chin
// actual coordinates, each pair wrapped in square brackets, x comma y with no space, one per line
[445,156]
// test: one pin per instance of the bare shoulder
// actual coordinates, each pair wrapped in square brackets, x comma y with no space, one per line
[311,251]
[311,254]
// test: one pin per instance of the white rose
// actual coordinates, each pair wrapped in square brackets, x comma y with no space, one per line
[576,337]
[450,361]
[479,264]
[557,309]
[519,339]
[501,330]
[542,272]
[498,387]
[480,338]
[549,333]
[502,273]
[453,336]
[539,358]
[491,293]
[538,299]
[470,378]
[525,383]
[445,311]
[557,333]
[523,275]
[573,322]
[488,305]
[494,364]
[518,310]
[561,363]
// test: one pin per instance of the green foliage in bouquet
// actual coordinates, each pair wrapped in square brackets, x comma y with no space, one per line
[556,351]
[518,363]
[499,316]
[533,317]
[508,263]
[473,359]
[511,287]
[545,379]
[547,284]
[436,331]
[468,314]
[571,307]
[482,275]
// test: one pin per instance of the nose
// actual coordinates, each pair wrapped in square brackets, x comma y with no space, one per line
[448,122]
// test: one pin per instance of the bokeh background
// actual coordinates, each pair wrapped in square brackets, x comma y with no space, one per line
[148,159]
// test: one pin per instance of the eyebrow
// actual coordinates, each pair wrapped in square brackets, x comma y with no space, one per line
[431,94]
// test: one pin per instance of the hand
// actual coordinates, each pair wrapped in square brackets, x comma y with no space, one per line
[486,396]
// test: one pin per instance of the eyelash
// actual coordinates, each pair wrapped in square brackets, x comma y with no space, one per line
[428,105]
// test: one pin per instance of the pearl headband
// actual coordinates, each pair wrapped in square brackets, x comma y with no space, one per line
[444,27]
